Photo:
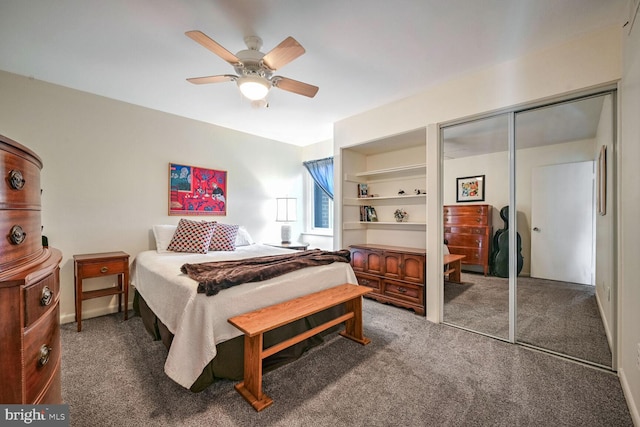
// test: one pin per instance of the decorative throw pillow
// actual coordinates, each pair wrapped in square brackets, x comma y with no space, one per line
[163,235]
[192,236]
[243,238]
[224,237]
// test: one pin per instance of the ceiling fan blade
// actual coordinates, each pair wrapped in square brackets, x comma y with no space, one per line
[213,46]
[212,79]
[288,50]
[295,86]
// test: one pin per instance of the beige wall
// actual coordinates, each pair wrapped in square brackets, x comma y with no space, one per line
[629,244]
[105,179]
[590,61]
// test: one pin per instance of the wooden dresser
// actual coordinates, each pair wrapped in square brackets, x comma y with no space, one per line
[396,274]
[468,231]
[29,286]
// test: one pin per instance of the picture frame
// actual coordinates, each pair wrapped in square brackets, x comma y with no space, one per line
[363,190]
[602,181]
[195,190]
[470,189]
[372,216]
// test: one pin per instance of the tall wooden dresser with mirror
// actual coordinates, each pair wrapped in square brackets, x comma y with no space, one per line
[29,286]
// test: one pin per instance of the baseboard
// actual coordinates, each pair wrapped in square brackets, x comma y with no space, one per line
[96,312]
[631,403]
[604,322]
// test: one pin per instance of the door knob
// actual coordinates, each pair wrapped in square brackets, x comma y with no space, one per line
[536,229]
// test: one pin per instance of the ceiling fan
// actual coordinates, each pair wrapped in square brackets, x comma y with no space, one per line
[255,69]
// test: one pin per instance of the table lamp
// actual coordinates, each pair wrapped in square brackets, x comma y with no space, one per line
[286,212]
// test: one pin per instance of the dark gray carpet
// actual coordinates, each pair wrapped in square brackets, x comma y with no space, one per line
[414,373]
[558,316]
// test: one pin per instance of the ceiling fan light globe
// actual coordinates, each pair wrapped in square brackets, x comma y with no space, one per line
[254,88]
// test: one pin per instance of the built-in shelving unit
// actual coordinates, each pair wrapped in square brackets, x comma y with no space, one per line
[394,170]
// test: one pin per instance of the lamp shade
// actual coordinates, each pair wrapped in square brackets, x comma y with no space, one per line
[254,87]
[286,209]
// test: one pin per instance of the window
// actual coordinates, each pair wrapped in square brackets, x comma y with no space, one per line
[322,209]
[319,192]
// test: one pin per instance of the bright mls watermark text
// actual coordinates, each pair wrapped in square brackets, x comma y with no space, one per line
[34,415]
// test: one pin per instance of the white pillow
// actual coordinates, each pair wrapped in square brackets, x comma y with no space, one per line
[163,235]
[243,238]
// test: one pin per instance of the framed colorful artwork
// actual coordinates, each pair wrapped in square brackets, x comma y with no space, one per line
[470,189]
[197,191]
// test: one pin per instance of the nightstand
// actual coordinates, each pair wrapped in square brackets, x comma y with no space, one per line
[292,245]
[97,265]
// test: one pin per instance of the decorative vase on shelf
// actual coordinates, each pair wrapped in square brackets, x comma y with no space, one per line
[401,215]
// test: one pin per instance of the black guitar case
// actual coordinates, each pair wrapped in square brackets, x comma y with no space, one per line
[499,262]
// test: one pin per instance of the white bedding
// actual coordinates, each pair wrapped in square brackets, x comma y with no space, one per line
[199,322]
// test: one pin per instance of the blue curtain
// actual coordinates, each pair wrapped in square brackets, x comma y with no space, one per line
[322,173]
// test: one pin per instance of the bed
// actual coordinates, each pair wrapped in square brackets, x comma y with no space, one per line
[202,345]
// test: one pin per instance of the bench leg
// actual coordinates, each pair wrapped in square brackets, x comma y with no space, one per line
[455,274]
[353,327]
[251,388]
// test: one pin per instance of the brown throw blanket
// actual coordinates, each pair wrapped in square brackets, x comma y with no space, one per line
[212,277]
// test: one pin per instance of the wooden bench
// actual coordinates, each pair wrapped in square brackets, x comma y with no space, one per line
[453,267]
[255,323]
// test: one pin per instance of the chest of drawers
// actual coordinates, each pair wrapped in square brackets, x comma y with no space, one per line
[468,231]
[29,286]
[396,274]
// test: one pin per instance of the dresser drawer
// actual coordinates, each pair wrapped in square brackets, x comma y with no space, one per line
[478,210]
[102,268]
[468,240]
[20,187]
[41,353]
[404,291]
[466,220]
[369,281]
[40,297]
[21,236]
[465,230]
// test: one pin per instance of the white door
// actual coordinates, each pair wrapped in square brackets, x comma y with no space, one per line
[562,222]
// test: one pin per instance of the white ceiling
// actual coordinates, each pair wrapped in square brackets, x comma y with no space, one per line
[361,53]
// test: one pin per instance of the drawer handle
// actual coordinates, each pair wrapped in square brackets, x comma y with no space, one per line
[16,180]
[364,281]
[478,219]
[104,270]
[402,290]
[17,235]
[47,296]
[45,353]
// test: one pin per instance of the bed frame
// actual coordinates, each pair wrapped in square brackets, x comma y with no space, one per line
[228,363]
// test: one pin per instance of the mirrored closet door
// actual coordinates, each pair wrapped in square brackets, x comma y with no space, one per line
[565,220]
[552,199]
[475,189]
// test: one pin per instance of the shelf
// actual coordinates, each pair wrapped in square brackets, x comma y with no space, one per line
[398,172]
[412,198]
[364,224]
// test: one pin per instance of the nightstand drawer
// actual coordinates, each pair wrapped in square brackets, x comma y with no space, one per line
[102,268]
